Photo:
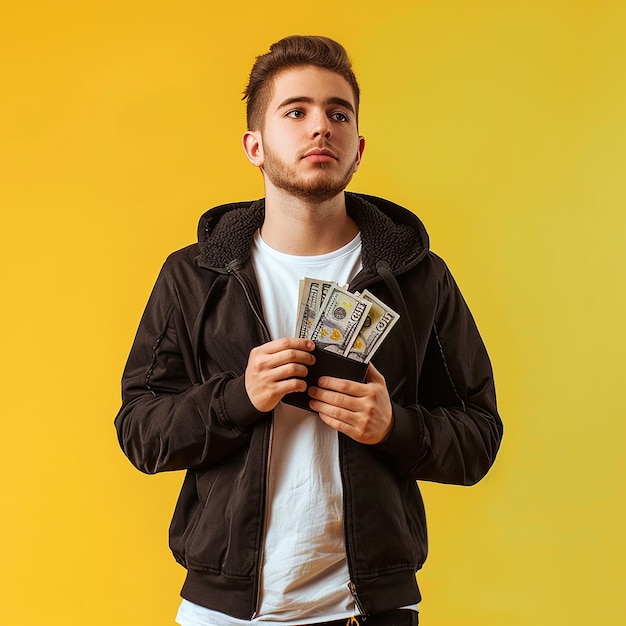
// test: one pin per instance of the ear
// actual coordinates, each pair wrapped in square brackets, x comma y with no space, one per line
[253,147]
[359,154]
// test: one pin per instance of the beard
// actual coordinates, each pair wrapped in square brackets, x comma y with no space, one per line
[318,185]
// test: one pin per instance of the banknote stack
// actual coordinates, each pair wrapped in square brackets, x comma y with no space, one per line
[350,324]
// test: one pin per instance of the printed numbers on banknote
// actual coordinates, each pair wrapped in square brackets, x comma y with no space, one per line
[350,324]
[312,295]
[339,320]
[380,320]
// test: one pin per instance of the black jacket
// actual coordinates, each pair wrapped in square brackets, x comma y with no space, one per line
[185,407]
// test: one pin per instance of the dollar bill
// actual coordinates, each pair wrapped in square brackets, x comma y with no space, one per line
[338,322]
[379,322]
[311,298]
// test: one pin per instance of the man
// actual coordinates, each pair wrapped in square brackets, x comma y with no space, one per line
[286,514]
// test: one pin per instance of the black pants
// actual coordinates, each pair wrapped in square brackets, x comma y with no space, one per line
[398,617]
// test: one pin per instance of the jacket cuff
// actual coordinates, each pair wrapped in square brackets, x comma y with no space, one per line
[407,433]
[239,409]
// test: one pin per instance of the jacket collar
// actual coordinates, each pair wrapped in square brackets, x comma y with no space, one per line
[389,233]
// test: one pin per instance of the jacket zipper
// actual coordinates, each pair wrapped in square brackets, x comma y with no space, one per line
[261,321]
[251,302]
[351,585]
[359,606]
[257,601]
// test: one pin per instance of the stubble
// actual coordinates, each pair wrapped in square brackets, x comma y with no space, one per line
[319,185]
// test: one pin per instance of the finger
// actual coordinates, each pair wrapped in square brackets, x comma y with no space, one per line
[290,356]
[290,385]
[263,361]
[333,401]
[269,395]
[341,385]
[373,375]
[352,424]
[343,427]
[288,370]
[288,343]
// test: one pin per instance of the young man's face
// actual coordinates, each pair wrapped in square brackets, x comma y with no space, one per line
[309,145]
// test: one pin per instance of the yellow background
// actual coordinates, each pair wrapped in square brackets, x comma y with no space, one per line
[502,124]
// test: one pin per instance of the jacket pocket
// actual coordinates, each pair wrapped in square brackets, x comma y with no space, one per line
[385,522]
[225,536]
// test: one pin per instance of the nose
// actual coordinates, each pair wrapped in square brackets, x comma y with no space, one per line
[320,126]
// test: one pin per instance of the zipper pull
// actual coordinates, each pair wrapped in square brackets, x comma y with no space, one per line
[359,606]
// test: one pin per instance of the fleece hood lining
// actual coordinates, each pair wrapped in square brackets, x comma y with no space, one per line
[389,232]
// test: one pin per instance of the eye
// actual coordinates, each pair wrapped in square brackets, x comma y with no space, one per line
[295,114]
[340,116]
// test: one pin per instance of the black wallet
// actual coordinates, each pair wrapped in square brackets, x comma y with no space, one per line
[327,364]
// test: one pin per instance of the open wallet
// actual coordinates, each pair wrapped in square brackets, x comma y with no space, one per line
[327,364]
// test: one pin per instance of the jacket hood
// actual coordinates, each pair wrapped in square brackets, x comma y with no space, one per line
[389,233]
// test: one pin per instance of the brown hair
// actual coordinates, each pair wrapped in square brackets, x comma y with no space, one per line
[293,51]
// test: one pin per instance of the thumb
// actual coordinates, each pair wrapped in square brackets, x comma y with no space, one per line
[373,375]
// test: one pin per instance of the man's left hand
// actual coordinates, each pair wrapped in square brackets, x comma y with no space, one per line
[362,411]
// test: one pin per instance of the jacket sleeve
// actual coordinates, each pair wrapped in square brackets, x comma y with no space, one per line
[169,420]
[453,434]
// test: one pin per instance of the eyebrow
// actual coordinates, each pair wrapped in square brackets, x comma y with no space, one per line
[333,100]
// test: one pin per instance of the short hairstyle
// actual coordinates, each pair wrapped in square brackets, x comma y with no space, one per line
[290,52]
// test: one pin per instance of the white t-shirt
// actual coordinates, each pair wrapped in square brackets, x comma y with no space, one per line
[305,572]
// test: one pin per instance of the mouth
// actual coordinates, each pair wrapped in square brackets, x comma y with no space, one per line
[320,155]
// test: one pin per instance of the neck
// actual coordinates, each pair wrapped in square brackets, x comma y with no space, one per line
[306,228]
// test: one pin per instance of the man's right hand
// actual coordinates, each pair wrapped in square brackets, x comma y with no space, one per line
[277,368]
